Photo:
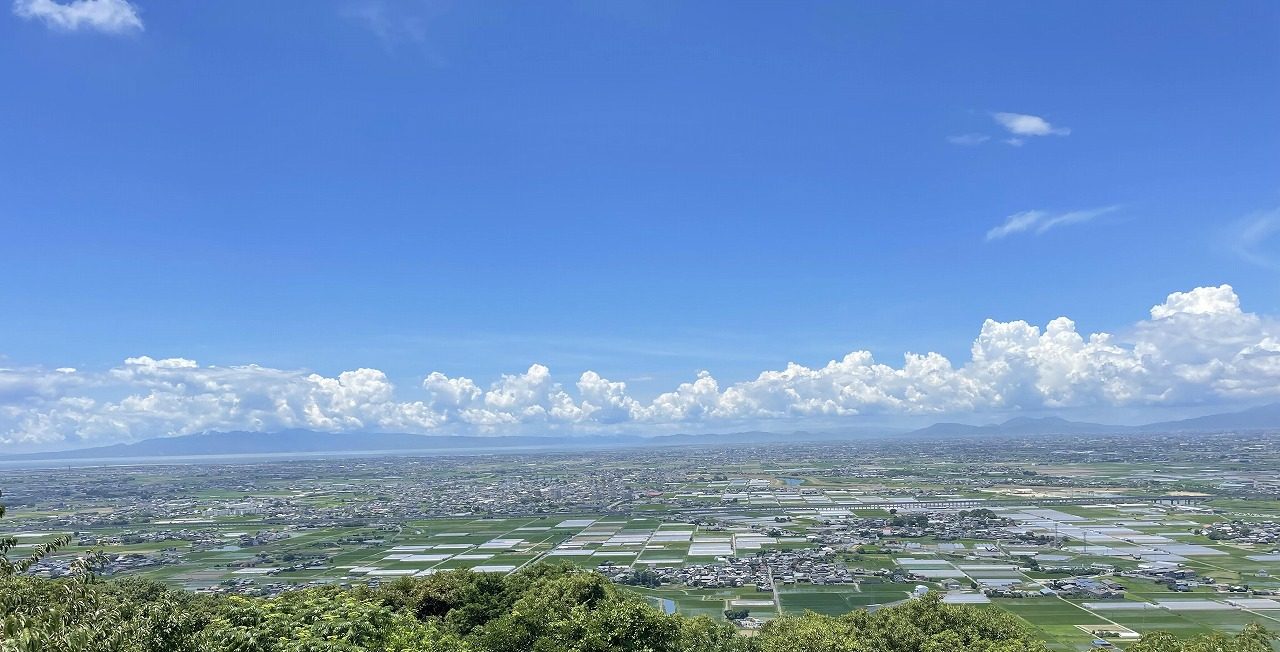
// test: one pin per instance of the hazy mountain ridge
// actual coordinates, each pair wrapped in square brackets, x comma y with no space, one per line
[1020,426]
[1258,418]
[307,441]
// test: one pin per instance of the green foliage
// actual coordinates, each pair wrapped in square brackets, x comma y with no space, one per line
[463,597]
[318,620]
[1254,638]
[924,625]
[643,576]
[910,520]
[77,616]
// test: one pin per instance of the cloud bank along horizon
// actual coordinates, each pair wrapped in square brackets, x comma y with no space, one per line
[1197,347]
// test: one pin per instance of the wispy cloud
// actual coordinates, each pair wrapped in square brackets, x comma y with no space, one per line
[108,16]
[1256,239]
[1023,125]
[1038,221]
[389,25]
[397,25]
[968,139]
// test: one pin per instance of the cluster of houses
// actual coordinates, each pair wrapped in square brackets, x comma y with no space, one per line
[517,490]
[1175,577]
[247,586]
[809,566]
[203,539]
[1084,587]
[942,525]
[55,566]
[1011,592]
[1254,532]
[602,491]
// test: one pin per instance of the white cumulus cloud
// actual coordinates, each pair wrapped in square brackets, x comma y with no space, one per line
[1195,347]
[110,16]
[1022,124]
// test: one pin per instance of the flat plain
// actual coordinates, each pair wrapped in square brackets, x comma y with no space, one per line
[1183,538]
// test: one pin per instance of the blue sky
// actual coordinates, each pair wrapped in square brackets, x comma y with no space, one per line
[644,190]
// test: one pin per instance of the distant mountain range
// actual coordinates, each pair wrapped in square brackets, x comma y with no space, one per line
[1260,418]
[1018,426]
[309,442]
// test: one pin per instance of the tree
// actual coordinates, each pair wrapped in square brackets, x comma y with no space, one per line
[317,620]
[1254,638]
[924,625]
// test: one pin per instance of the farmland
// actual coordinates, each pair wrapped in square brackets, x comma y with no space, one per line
[1182,539]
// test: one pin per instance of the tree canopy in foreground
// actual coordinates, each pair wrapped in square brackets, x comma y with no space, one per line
[543,608]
